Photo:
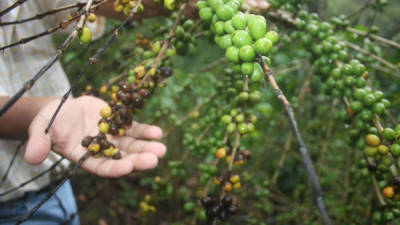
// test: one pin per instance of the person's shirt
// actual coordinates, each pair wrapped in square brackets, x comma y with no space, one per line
[19,64]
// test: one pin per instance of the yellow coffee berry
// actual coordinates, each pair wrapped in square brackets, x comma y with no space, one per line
[234,178]
[372,140]
[103,90]
[139,71]
[228,160]
[383,149]
[152,72]
[114,88]
[237,185]
[91,18]
[104,127]
[114,96]
[152,209]
[121,132]
[118,7]
[157,179]
[108,152]
[85,35]
[147,198]
[106,112]
[170,4]
[94,147]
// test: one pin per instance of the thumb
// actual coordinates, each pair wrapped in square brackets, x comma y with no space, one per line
[39,143]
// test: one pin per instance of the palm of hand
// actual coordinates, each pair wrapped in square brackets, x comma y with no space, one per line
[77,119]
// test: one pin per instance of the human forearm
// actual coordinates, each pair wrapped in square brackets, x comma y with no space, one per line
[15,122]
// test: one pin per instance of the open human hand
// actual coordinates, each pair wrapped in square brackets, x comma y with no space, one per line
[77,119]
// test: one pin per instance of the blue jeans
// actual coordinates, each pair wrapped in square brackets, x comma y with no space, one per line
[60,209]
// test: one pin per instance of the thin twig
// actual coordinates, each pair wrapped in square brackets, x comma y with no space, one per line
[360,10]
[51,30]
[39,16]
[11,7]
[377,58]
[32,179]
[375,37]
[312,177]
[286,149]
[19,147]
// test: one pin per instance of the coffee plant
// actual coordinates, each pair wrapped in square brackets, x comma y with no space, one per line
[238,86]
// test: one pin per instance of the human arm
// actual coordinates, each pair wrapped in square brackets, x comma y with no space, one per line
[77,119]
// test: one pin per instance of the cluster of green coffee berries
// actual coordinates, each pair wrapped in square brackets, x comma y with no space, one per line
[183,40]
[162,187]
[243,36]
[237,121]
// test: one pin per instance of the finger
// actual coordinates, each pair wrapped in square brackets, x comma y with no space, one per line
[123,166]
[39,143]
[131,145]
[139,130]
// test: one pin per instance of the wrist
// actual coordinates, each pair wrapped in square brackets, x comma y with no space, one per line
[20,115]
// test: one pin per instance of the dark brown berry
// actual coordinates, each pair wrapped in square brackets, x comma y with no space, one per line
[233,209]
[86,141]
[166,71]
[137,100]
[144,93]
[207,201]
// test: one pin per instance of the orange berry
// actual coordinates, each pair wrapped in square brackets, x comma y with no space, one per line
[216,181]
[388,192]
[239,163]
[221,153]
[227,187]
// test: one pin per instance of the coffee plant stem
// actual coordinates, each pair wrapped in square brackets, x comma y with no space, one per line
[281,162]
[375,37]
[382,202]
[51,30]
[377,58]
[213,64]
[61,25]
[235,148]
[67,175]
[361,9]
[91,61]
[19,147]
[29,84]
[32,179]
[312,177]
[11,7]
[78,5]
